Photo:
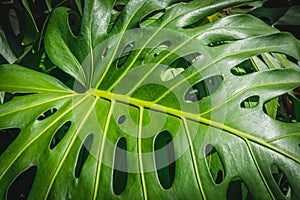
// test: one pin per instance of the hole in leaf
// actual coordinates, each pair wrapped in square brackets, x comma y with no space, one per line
[164,45]
[281,181]
[178,66]
[20,187]
[47,114]
[165,159]
[19,94]
[243,68]
[171,73]
[7,136]
[74,22]
[120,167]
[217,43]
[6,97]
[127,49]
[157,50]
[59,134]
[220,177]
[203,88]
[292,59]
[250,102]
[284,108]
[104,53]
[121,119]
[237,190]
[83,154]
[214,164]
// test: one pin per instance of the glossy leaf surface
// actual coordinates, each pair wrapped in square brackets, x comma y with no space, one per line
[116,110]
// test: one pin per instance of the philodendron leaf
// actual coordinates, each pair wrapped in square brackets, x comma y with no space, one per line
[163,114]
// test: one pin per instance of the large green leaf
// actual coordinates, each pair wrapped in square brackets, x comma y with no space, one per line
[167,93]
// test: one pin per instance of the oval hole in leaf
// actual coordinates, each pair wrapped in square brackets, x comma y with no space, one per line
[281,181]
[246,67]
[121,119]
[164,45]
[83,154]
[157,50]
[59,134]
[7,136]
[74,22]
[214,164]
[292,59]
[127,49]
[283,108]
[104,53]
[165,159]
[19,94]
[216,43]
[171,73]
[47,114]
[20,187]
[120,174]
[178,66]
[203,88]
[237,190]
[250,102]
[6,97]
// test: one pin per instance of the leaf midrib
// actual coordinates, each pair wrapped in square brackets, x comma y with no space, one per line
[189,116]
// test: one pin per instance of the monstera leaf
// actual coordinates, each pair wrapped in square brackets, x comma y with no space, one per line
[163,106]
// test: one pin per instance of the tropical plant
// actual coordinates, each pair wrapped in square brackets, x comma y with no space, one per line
[164,104]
